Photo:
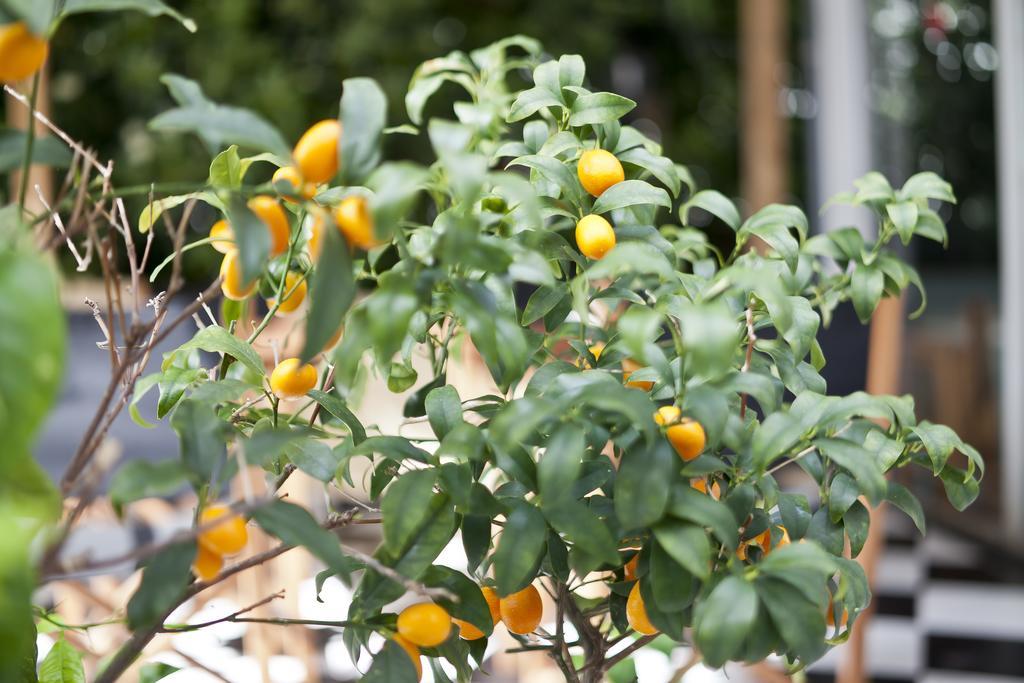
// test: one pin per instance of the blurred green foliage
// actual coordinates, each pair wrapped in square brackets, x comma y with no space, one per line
[287,59]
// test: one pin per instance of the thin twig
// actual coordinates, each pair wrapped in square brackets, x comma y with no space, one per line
[279,595]
[751,338]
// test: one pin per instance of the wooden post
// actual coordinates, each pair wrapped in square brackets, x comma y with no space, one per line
[764,160]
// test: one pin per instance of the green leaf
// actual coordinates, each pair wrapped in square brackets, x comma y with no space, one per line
[390,309]
[154,671]
[529,102]
[795,513]
[32,340]
[927,185]
[643,485]
[866,288]
[332,292]
[163,582]
[47,151]
[391,665]
[251,237]
[217,125]
[856,522]
[560,465]
[216,339]
[556,172]
[444,410]
[63,664]
[687,544]
[153,8]
[631,257]
[152,211]
[631,193]
[901,497]
[584,529]
[403,506]
[800,622]
[904,218]
[295,526]
[203,437]
[715,203]
[939,442]
[226,169]
[520,549]
[339,409]
[961,488]
[692,505]
[660,167]
[599,107]
[172,385]
[315,458]
[364,113]
[859,462]
[723,620]
[138,479]
[842,494]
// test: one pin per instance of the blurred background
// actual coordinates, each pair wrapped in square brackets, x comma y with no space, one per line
[765,100]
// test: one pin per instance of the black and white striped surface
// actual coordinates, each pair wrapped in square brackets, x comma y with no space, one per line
[946,612]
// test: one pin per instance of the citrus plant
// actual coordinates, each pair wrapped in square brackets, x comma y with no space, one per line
[618,485]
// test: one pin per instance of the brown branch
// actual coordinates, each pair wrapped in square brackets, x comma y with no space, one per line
[625,654]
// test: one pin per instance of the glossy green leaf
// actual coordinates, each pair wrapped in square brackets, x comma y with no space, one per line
[163,582]
[216,124]
[295,526]
[599,107]
[520,549]
[364,110]
[403,506]
[723,620]
[631,193]
[216,339]
[62,664]
[331,293]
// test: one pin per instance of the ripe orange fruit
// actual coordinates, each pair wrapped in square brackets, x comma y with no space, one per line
[413,652]
[355,222]
[424,624]
[686,436]
[598,170]
[316,152]
[296,284]
[594,236]
[701,484]
[667,415]
[630,569]
[522,611]
[636,613]
[21,52]
[629,366]
[232,286]
[289,175]
[317,225]
[270,212]
[207,563]
[223,237]
[228,536]
[290,380]
[468,631]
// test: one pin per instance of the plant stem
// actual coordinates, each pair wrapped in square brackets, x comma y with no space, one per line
[30,140]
